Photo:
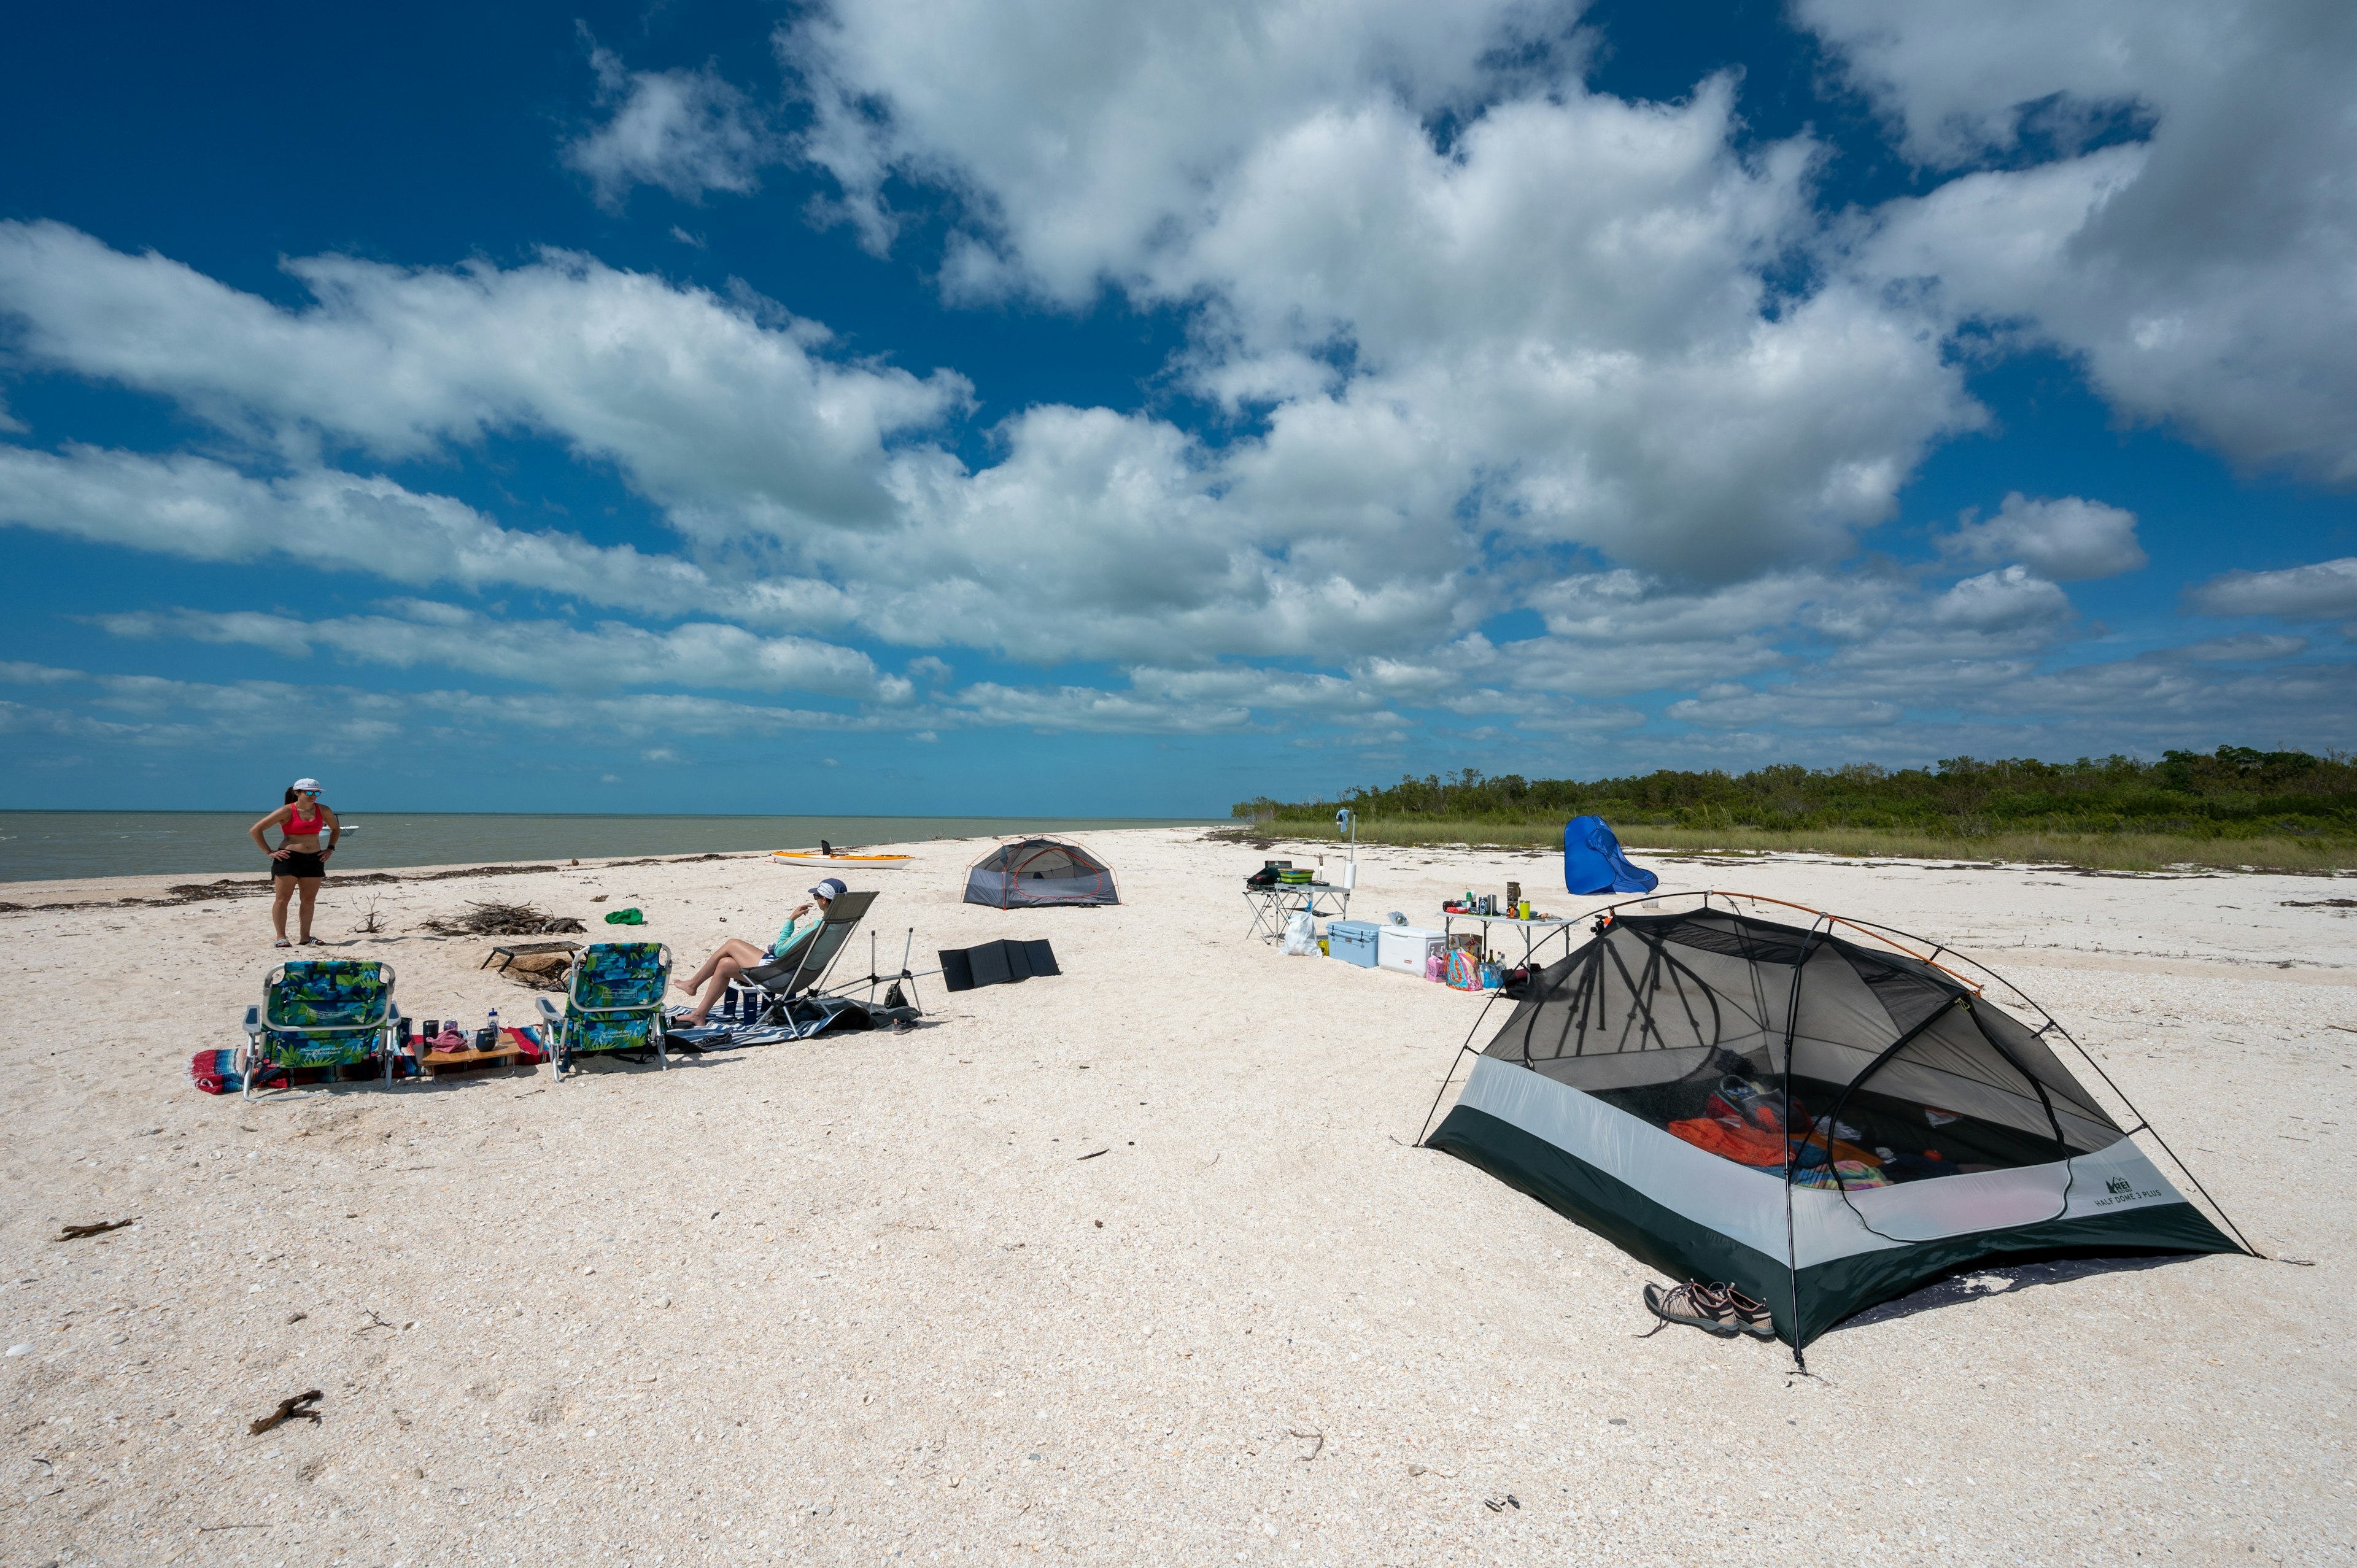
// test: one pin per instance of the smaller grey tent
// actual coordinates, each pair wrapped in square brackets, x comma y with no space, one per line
[1031,872]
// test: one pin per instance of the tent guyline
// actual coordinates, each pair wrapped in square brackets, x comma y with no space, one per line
[1826,1116]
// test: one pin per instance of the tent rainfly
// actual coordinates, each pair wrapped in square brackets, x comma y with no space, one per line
[1815,1114]
[1023,874]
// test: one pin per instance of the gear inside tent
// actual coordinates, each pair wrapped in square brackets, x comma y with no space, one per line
[1029,872]
[1826,1115]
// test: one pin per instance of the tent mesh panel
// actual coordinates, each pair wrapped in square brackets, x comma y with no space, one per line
[1681,1020]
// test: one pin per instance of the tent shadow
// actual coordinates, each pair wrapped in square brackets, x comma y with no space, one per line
[1994,1276]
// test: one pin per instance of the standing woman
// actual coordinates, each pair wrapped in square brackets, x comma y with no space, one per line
[300,861]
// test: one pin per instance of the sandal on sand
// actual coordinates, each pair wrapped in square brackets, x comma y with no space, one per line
[282,942]
[1703,1307]
[1752,1316]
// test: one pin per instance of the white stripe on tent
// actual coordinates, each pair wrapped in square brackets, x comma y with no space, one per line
[2104,1183]
[1746,1205]
[1718,1195]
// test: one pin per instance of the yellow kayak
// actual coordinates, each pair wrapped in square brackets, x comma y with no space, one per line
[840,861]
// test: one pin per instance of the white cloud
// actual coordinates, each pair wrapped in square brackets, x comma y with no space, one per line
[2322,591]
[2252,647]
[704,405]
[197,509]
[1997,601]
[1555,324]
[687,131]
[1081,132]
[2202,273]
[154,711]
[2066,541]
[548,653]
[1730,706]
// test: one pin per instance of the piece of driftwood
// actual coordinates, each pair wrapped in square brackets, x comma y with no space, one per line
[296,1407]
[76,1232]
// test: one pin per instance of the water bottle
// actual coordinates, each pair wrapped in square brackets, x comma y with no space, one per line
[493,1027]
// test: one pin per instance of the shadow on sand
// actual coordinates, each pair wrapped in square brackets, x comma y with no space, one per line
[1991,1277]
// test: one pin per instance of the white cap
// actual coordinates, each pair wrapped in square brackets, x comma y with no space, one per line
[308,784]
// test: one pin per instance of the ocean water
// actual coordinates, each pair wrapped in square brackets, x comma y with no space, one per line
[51,845]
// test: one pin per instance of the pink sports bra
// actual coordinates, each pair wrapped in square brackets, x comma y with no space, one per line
[299,827]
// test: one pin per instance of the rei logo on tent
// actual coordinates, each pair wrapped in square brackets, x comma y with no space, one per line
[2119,1187]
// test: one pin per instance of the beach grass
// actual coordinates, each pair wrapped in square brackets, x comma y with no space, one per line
[2097,852]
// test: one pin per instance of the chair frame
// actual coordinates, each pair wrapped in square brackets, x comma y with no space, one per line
[779,995]
[259,1027]
[553,1016]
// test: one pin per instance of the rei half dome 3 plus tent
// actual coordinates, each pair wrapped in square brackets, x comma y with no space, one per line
[1821,1114]
[1023,874]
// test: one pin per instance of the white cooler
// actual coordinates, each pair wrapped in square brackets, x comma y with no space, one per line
[1406,948]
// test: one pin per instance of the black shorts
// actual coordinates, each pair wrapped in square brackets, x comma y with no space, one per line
[298,863]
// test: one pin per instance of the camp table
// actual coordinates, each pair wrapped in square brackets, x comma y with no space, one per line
[1273,905]
[515,950]
[437,1063]
[1533,931]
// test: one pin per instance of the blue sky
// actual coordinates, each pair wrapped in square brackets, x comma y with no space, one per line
[937,406]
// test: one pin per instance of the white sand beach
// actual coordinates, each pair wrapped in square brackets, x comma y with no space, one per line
[862,1301]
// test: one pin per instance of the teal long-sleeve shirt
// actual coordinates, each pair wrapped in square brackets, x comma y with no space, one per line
[794,930]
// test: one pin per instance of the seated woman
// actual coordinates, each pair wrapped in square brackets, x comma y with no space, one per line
[733,957]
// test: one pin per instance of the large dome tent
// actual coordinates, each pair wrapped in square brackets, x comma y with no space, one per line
[1035,873]
[1821,1112]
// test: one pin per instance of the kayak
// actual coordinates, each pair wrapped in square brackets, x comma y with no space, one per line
[840,861]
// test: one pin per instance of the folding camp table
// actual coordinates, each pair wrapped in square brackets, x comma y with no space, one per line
[1273,905]
[1533,931]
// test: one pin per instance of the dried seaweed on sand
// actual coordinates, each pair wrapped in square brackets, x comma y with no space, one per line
[497,919]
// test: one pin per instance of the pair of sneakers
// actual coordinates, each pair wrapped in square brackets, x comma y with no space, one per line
[1720,1310]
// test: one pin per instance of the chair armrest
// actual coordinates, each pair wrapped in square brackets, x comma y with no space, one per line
[253,1019]
[548,1010]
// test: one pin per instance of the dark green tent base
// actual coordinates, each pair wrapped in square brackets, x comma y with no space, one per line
[1830,1292]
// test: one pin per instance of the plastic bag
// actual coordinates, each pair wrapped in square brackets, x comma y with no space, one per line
[1300,935]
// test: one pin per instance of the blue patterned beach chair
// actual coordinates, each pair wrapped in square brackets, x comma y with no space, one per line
[325,1013]
[613,1002]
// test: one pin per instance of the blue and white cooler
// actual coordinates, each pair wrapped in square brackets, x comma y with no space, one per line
[1352,942]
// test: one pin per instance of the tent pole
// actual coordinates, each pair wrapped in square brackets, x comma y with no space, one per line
[2144,1124]
[1791,1253]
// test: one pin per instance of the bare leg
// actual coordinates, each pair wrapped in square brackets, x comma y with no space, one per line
[310,886]
[742,954]
[282,888]
[724,968]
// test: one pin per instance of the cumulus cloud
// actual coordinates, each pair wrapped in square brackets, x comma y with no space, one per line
[548,653]
[157,711]
[703,403]
[2201,270]
[685,131]
[197,509]
[2066,541]
[1729,706]
[2319,591]
[1079,132]
[1995,601]
[2251,648]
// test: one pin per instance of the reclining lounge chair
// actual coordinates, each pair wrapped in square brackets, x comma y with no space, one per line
[324,1013]
[792,1007]
[613,1002]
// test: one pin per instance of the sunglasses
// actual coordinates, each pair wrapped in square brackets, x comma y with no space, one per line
[308,794]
